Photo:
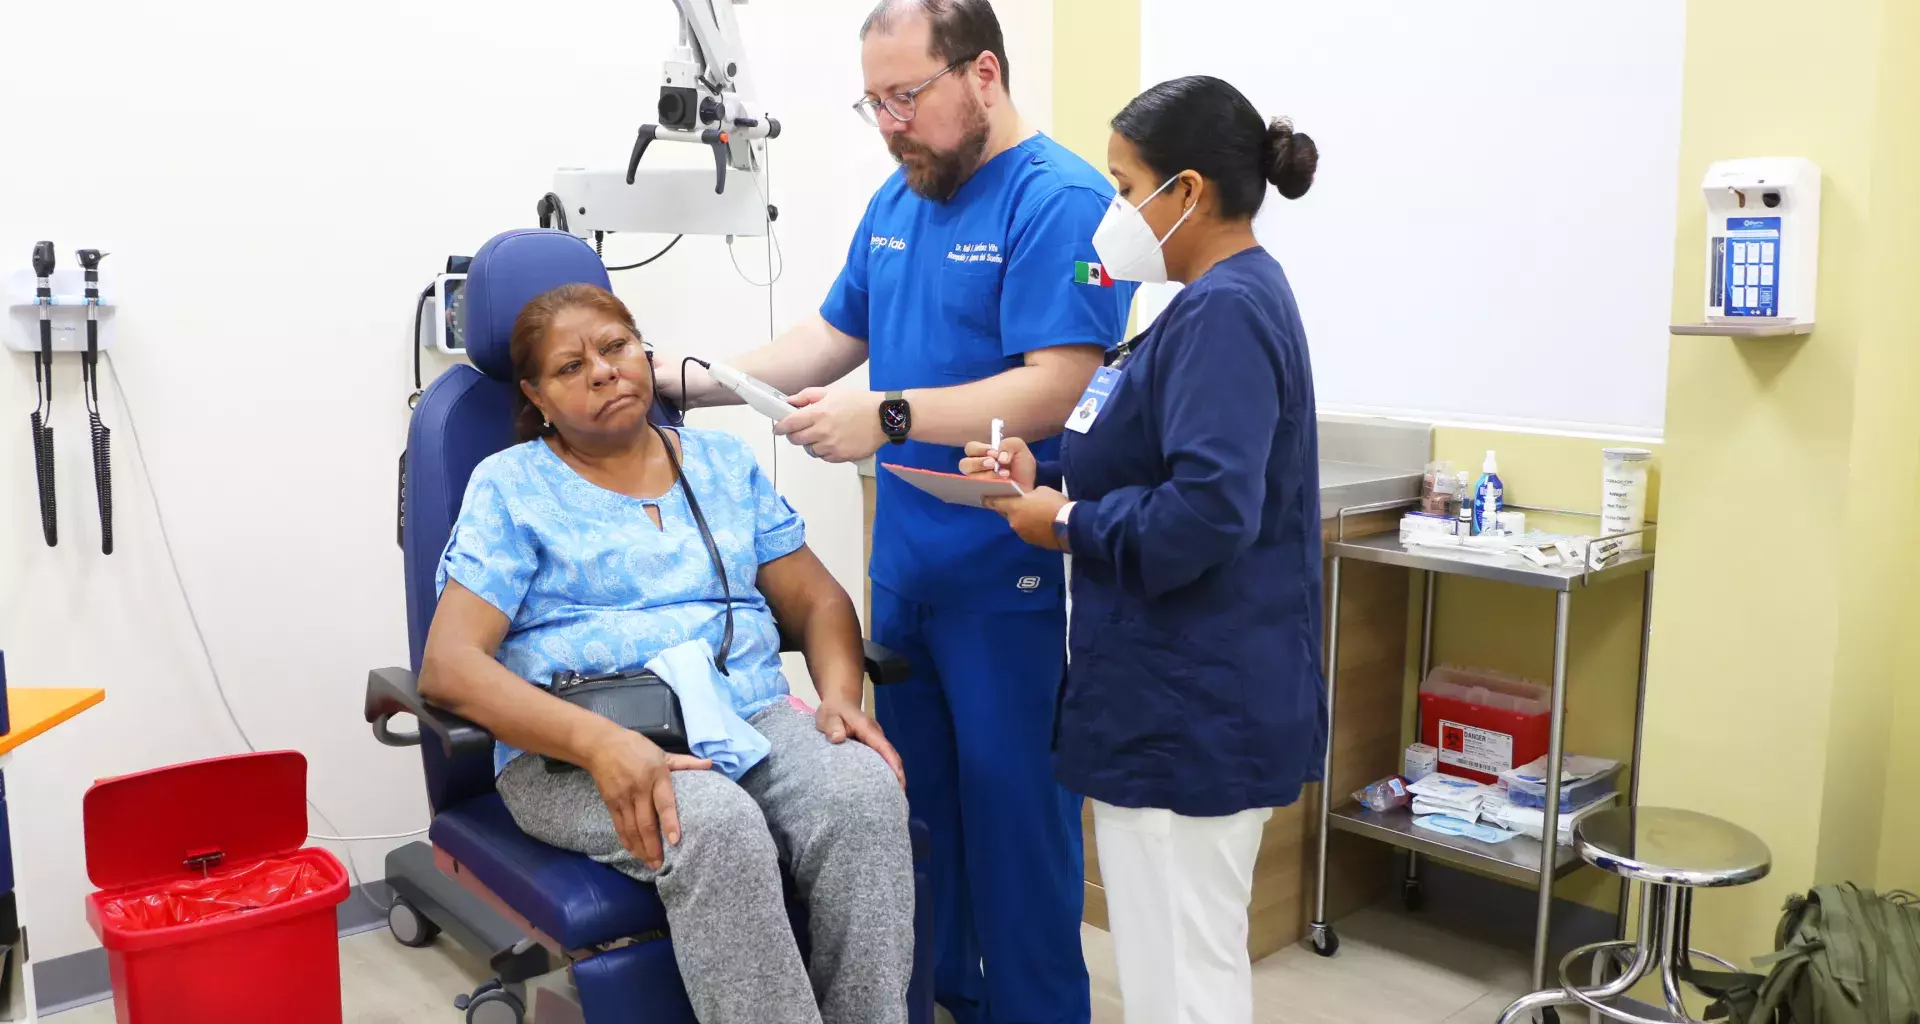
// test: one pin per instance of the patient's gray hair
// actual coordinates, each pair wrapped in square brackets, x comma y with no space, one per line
[962,29]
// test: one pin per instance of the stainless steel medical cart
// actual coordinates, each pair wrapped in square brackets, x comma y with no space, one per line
[1522,859]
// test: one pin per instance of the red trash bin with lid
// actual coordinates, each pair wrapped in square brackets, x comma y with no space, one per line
[209,909]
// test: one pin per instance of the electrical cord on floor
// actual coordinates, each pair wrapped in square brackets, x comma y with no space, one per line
[206,651]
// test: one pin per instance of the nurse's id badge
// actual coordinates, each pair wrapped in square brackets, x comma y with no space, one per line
[1094,402]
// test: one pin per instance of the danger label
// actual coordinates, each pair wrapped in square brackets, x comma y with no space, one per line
[1475,749]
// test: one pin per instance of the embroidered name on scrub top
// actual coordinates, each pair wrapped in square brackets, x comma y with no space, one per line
[950,293]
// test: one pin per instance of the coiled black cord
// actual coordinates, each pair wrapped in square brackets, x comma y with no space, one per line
[43,475]
[102,471]
[102,437]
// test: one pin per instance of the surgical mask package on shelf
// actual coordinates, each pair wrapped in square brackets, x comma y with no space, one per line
[1388,794]
[1452,826]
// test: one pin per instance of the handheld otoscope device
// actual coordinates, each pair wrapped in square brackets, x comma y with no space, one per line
[43,263]
[90,369]
[760,396]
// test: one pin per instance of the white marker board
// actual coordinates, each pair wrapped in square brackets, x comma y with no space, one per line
[1491,236]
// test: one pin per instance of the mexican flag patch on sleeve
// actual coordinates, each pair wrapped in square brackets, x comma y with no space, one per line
[1092,274]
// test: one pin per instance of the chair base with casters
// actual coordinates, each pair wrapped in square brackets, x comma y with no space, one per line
[571,940]
[1668,854]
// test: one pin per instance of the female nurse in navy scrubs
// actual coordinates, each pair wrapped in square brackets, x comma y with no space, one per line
[1194,702]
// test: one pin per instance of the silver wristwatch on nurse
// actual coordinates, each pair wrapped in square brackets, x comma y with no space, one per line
[1060,526]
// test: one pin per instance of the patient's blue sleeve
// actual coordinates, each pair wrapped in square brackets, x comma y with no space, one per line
[489,554]
[777,529]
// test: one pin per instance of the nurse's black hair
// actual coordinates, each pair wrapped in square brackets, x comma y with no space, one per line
[962,29]
[1205,125]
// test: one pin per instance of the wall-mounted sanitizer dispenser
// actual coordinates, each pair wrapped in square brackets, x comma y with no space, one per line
[1763,248]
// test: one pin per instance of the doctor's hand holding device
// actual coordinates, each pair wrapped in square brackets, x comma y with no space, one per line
[760,396]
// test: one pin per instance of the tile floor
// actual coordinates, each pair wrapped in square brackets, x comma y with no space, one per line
[1391,970]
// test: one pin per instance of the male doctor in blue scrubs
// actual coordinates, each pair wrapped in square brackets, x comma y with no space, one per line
[972,289]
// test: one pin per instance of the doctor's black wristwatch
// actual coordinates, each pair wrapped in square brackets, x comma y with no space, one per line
[896,417]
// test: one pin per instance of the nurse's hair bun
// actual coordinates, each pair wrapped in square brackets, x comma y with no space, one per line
[1290,158]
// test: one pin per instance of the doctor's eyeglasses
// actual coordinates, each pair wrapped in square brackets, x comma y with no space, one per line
[904,105]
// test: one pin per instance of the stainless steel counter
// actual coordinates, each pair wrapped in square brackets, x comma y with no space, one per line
[1346,485]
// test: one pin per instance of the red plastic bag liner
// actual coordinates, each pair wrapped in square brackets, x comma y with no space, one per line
[220,895]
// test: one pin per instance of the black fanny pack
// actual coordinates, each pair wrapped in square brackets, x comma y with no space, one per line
[641,701]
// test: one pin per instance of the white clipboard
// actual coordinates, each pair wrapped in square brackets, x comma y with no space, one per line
[955,489]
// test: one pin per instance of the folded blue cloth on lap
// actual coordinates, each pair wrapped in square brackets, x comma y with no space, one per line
[715,732]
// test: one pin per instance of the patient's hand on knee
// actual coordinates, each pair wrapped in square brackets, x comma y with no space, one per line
[840,722]
[635,778]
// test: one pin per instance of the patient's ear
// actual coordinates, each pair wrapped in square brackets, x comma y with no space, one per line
[533,395]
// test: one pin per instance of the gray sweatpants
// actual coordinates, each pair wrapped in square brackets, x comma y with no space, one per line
[835,815]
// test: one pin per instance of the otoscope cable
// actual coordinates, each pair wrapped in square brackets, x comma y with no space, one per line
[90,368]
[43,263]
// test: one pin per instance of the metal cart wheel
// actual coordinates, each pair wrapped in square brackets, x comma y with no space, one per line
[496,1007]
[1325,942]
[409,926]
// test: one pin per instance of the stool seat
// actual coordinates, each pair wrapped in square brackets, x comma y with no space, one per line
[1663,846]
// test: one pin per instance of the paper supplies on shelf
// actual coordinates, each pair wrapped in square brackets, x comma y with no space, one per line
[1531,821]
[1582,781]
[1447,795]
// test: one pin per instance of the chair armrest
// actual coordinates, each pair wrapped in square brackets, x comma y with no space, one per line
[395,691]
[885,667]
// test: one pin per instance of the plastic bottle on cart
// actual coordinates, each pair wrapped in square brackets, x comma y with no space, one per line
[1487,498]
[1624,494]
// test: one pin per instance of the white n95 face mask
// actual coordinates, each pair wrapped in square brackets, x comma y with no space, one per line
[1125,243]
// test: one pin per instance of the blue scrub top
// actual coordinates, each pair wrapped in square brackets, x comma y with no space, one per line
[950,293]
[1195,683]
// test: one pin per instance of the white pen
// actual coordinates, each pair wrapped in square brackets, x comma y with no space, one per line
[998,426]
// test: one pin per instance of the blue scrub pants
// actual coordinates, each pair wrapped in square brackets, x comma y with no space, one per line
[975,728]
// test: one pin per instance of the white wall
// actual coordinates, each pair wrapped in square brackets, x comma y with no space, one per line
[1491,235]
[275,184]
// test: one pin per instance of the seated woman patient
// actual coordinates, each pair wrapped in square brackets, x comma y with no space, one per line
[580,551]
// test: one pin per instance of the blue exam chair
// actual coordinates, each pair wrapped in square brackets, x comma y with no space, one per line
[571,941]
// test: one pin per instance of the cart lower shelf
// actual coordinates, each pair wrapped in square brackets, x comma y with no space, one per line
[1517,859]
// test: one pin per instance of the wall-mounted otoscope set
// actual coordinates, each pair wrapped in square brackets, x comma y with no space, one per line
[48,317]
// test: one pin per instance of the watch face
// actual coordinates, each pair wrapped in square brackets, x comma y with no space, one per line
[893,418]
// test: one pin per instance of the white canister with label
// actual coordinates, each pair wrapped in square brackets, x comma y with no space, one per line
[1623,507]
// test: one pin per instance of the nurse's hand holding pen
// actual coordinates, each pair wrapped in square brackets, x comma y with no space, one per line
[1031,514]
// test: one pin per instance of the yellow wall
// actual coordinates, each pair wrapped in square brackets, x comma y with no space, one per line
[1780,643]
[1888,437]
[1096,71]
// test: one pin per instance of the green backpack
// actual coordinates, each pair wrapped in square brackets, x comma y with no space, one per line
[1845,956]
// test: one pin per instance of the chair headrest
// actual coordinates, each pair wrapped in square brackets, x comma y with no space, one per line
[512,270]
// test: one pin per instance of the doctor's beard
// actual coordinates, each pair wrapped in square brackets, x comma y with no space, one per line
[939,174]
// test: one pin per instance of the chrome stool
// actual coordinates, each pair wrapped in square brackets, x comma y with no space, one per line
[1670,853]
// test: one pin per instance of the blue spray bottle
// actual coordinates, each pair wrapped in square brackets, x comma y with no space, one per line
[1487,498]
